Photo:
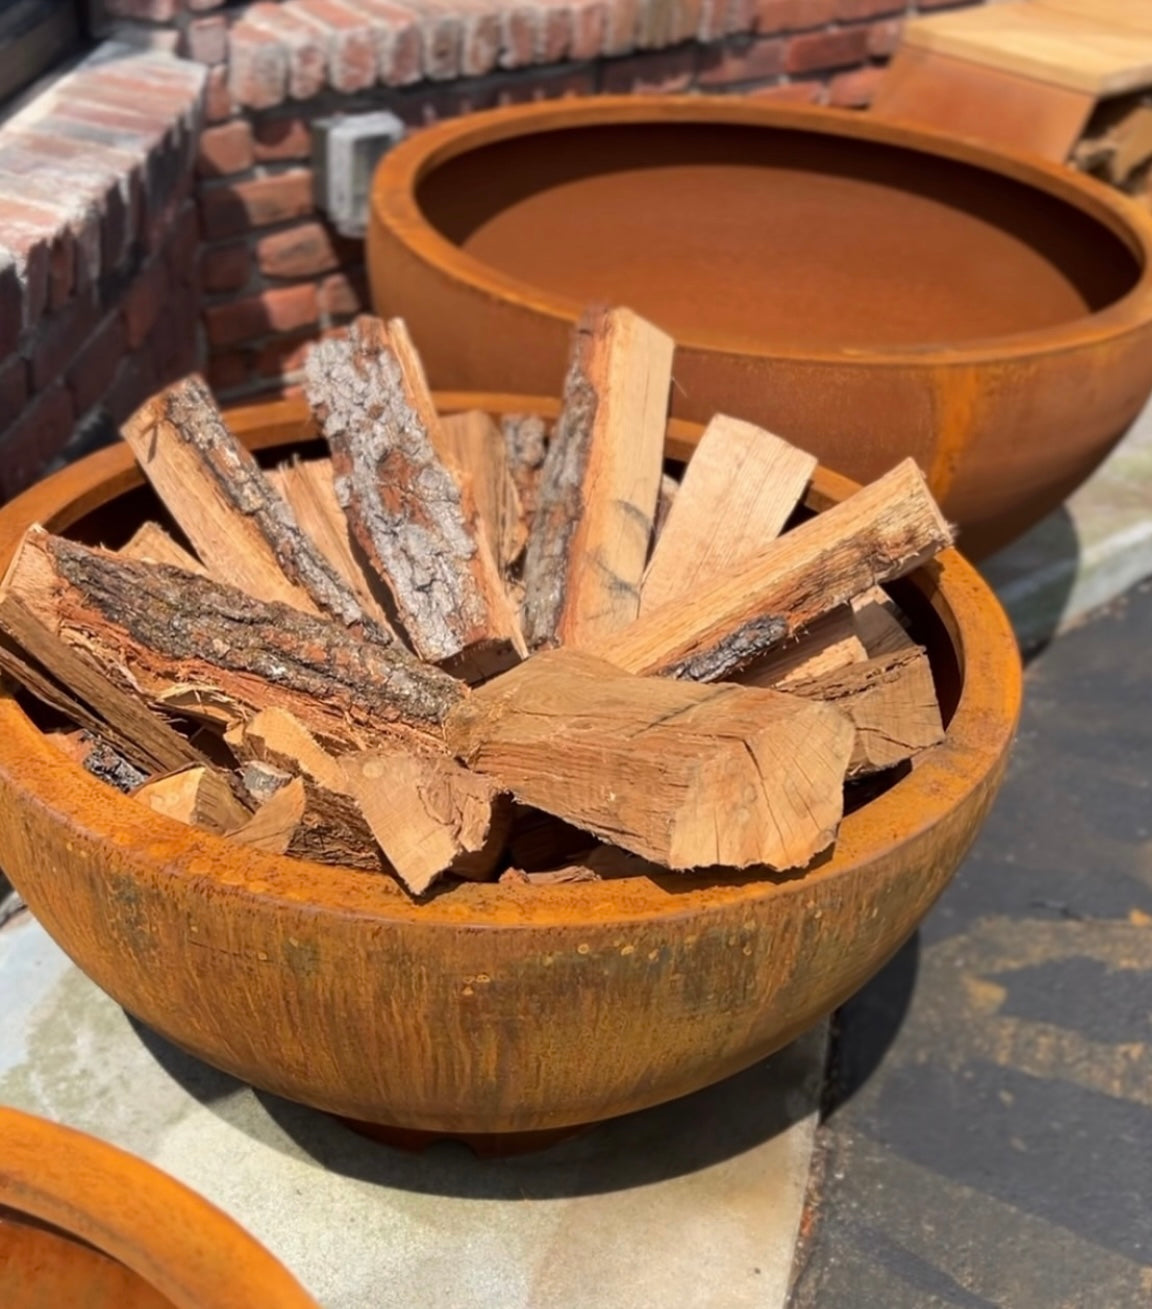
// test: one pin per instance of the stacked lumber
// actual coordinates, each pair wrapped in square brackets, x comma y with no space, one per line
[457,650]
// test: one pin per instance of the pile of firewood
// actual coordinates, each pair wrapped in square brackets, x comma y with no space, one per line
[452,648]
[1117,144]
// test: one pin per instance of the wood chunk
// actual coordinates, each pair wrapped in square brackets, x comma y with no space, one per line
[474,446]
[883,531]
[892,703]
[830,643]
[548,877]
[590,536]
[417,527]
[424,813]
[686,775]
[276,737]
[33,654]
[151,542]
[274,826]
[150,629]
[878,623]
[237,523]
[198,796]
[261,780]
[738,490]
[308,487]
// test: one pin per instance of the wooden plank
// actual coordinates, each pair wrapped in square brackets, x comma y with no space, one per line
[475,447]
[1107,13]
[738,491]
[689,776]
[1041,43]
[589,541]
[883,531]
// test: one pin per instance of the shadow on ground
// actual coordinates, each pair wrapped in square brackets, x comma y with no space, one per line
[654,1145]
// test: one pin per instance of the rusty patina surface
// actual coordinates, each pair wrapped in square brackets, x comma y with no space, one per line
[485,1009]
[82,1223]
[865,289]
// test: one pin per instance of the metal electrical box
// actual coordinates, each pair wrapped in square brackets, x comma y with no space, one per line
[345,151]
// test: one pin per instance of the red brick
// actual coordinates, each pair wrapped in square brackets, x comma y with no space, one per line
[230,370]
[345,293]
[225,149]
[183,247]
[793,15]
[133,382]
[206,40]
[13,386]
[225,267]
[589,24]
[35,438]
[218,106]
[827,49]
[481,37]
[668,70]
[282,138]
[29,239]
[349,39]
[285,355]
[303,251]
[854,11]
[442,34]
[884,37]
[742,60]
[801,93]
[96,362]
[200,5]
[60,336]
[144,301]
[519,36]
[945,4]
[467,96]
[855,90]
[275,311]
[303,45]
[232,208]
[399,43]
[258,66]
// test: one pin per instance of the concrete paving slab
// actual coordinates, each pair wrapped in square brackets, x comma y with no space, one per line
[693,1204]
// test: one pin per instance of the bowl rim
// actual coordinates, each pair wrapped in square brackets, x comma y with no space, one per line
[394,205]
[176,1241]
[945,778]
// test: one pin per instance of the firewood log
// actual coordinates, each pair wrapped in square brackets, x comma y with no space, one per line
[198,795]
[152,543]
[686,775]
[738,491]
[148,628]
[418,530]
[240,527]
[475,447]
[589,540]
[883,531]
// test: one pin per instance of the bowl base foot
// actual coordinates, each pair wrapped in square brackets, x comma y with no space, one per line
[485,1145]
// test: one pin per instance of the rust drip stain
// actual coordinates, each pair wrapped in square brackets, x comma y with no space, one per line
[955,404]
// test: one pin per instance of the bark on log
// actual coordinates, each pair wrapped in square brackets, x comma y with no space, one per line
[237,523]
[686,775]
[404,505]
[830,643]
[593,524]
[883,531]
[150,628]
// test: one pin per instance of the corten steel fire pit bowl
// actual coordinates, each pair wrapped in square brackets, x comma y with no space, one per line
[866,290]
[487,1008]
[84,1224]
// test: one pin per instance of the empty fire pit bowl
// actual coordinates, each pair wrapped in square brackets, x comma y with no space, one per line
[86,1226]
[866,290]
[486,1009]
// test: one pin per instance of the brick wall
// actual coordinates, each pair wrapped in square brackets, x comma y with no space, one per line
[156,208]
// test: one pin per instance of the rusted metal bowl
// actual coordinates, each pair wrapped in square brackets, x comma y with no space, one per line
[487,1009]
[866,290]
[83,1224]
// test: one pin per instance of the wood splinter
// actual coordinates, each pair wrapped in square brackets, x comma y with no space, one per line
[689,776]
